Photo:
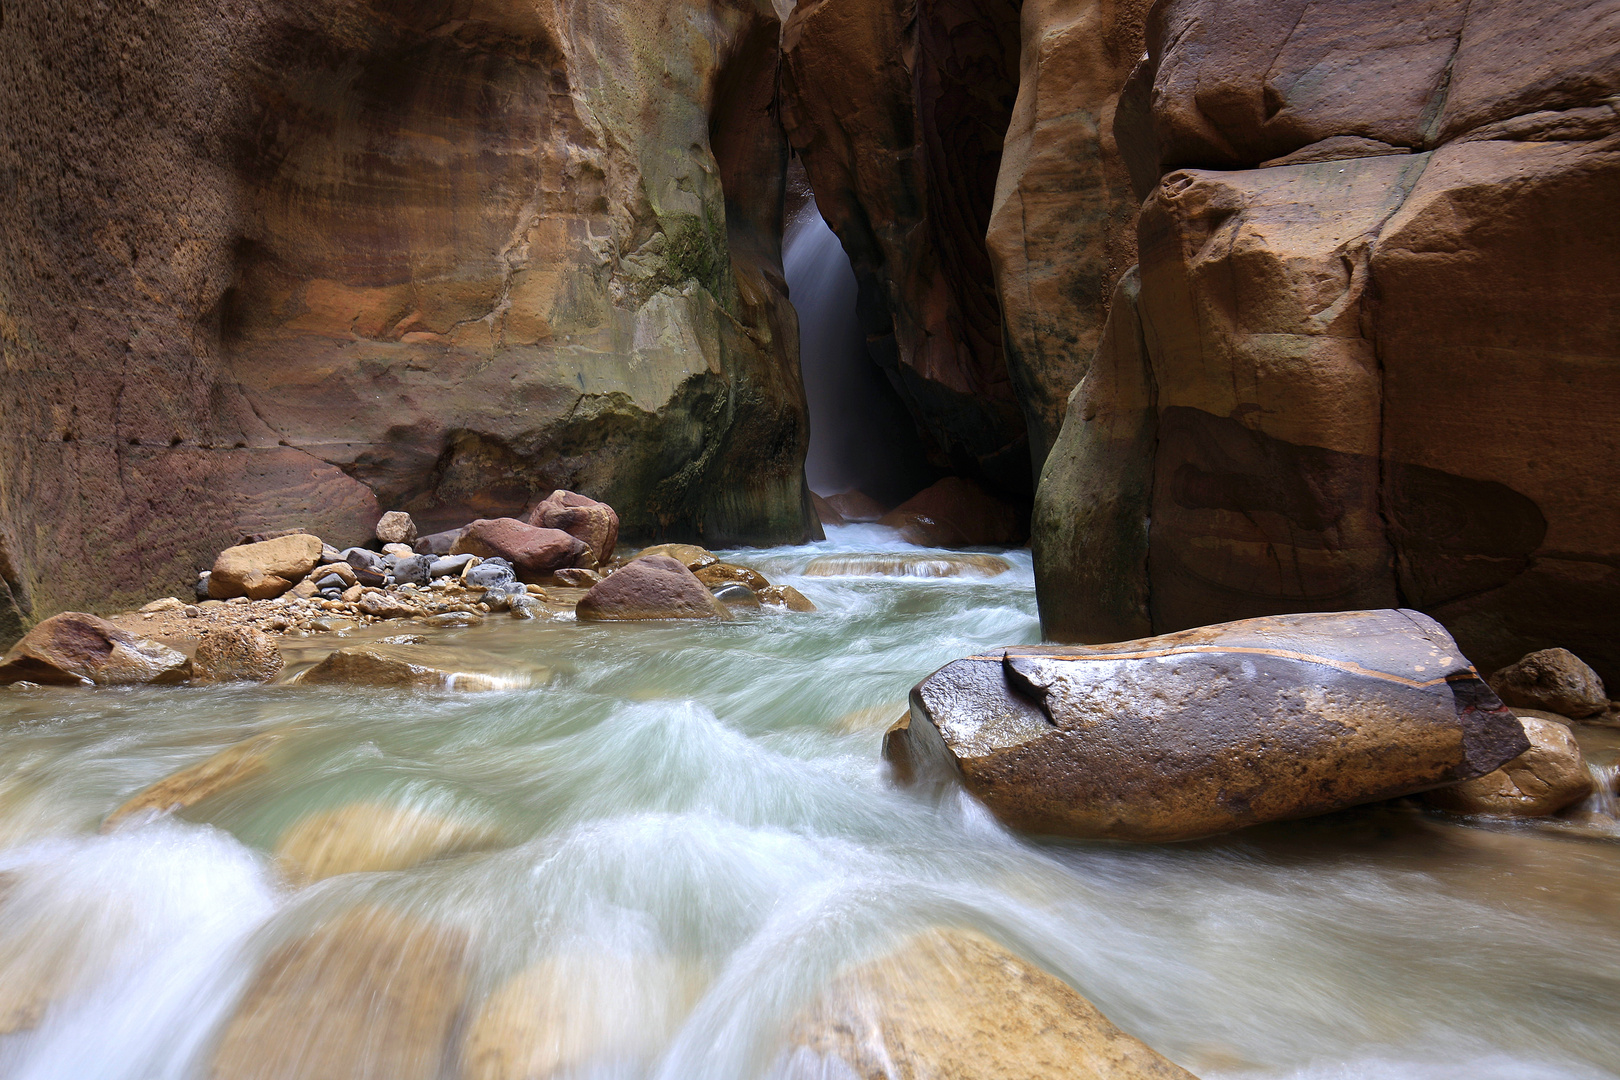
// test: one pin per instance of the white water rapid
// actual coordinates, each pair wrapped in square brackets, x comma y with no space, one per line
[690,830]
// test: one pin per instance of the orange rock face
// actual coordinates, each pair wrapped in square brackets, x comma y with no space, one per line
[273,264]
[1373,351]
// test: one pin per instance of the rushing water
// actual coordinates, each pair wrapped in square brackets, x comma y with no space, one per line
[691,823]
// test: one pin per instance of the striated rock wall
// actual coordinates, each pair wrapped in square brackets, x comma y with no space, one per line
[1374,348]
[289,264]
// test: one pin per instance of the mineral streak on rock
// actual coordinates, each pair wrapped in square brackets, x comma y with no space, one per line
[1208,730]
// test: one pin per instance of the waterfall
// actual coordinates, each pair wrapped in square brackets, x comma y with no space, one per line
[860,434]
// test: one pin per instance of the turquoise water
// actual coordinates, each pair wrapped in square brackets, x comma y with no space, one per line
[692,822]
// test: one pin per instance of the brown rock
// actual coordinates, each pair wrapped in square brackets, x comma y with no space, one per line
[785,596]
[342,569]
[191,785]
[236,654]
[1543,780]
[533,552]
[856,506]
[688,555]
[902,149]
[955,513]
[74,649]
[396,527]
[1063,226]
[594,523]
[928,566]
[1208,730]
[825,511]
[718,573]
[575,577]
[650,587]
[365,837]
[953,1003]
[264,570]
[438,543]
[372,994]
[1553,679]
[390,666]
[380,604]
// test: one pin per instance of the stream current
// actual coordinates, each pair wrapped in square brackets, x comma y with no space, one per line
[694,823]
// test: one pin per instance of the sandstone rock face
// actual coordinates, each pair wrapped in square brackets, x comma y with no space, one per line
[236,654]
[650,587]
[265,570]
[594,523]
[76,649]
[898,114]
[955,513]
[1208,730]
[1543,780]
[1345,208]
[953,1003]
[364,837]
[310,255]
[533,552]
[221,772]
[1552,679]
[1063,227]
[372,994]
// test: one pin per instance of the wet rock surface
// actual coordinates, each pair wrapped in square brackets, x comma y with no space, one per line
[75,648]
[1543,780]
[366,837]
[240,654]
[1208,730]
[953,1003]
[652,586]
[221,772]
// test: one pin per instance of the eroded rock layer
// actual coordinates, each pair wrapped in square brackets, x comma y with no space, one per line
[291,264]
[1373,350]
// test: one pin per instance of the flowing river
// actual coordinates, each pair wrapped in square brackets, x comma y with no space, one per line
[691,825]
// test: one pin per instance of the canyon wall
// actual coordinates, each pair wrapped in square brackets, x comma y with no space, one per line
[279,264]
[1372,354]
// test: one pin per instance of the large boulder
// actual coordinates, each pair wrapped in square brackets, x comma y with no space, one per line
[1543,780]
[1552,679]
[954,1004]
[595,523]
[649,587]
[236,654]
[533,552]
[955,513]
[371,994]
[77,649]
[445,258]
[1208,730]
[265,570]
[1345,207]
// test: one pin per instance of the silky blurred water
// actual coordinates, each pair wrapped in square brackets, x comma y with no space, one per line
[694,829]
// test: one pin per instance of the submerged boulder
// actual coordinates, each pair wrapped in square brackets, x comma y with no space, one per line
[650,587]
[372,994]
[785,596]
[265,570]
[1208,730]
[953,1003]
[231,766]
[1555,680]
[370,836]
[76,648]
[596,524]
[533,552]
[1543,780]
[716,574]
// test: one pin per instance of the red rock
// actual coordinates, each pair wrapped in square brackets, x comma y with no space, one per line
[594,522]
[533,552]
[650,587]
[75,648]
[955,513]
[825,511]
[856,506]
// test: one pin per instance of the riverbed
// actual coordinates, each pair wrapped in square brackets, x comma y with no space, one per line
[695,823]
